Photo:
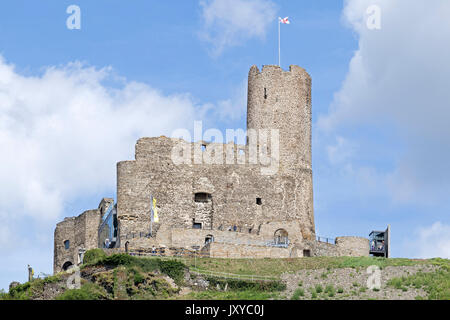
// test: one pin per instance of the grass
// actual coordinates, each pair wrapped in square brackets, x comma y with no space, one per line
[318,288]
[88,291]
[172,268]
[244,285]
[230,295]
[436,284]
[241,290]
[330,290]
[298,293]
[27,290]
[276,267]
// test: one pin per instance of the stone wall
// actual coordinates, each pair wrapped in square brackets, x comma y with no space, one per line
[277,100]
[245,205]
[64,231]
[234,190]
[228,250]
[81,232]
[353,246]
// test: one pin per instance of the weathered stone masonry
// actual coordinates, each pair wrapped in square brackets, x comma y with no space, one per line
[244,211]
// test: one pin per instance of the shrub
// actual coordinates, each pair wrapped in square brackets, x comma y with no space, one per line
[244,285]
[93,256]
[88,291]
[319,288]
[298,293]
[138,278]
[330,290]
[146,264]
[173,269]
[21,292]
[118,259]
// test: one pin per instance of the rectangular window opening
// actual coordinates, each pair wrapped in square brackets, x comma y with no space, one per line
[197,225]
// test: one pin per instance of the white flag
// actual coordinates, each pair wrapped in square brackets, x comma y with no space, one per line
[285,20]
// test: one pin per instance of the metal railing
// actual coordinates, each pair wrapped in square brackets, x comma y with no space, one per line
[134,235]
[326,240]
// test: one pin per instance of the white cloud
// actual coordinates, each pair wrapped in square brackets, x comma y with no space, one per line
[341,152]
[62,133]
[433,242]
[398,78]
[231,22]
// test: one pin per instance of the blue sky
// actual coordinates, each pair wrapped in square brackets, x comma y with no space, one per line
[73,102]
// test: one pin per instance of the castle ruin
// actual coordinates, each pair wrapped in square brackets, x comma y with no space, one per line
[238,208]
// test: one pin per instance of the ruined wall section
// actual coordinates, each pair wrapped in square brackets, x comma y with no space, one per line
[63,231]
[277,99]
[81,232]
[234,189]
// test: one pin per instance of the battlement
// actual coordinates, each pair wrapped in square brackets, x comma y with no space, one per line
[277,70]
[162,148]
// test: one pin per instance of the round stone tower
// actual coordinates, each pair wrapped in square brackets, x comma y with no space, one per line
[279,99]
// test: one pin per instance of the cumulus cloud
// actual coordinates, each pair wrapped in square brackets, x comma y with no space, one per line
[231,22]
[62,133]
[433,242]
[341,151]
[398,79]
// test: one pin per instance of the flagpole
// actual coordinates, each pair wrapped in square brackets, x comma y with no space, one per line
[279,42]
[151,216]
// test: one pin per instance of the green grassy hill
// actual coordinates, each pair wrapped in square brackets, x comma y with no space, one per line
[121,276]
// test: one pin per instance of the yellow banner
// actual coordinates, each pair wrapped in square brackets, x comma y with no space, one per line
[155,211]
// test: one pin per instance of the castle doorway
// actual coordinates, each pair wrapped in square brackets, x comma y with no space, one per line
[67,265]
[203,212]
[209,238]
[281,237]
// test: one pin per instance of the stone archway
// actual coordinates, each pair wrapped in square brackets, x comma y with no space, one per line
[281,237]
[67,265]
[208,239]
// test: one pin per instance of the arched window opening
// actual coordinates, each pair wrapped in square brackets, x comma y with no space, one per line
[66,244]
[281,237]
